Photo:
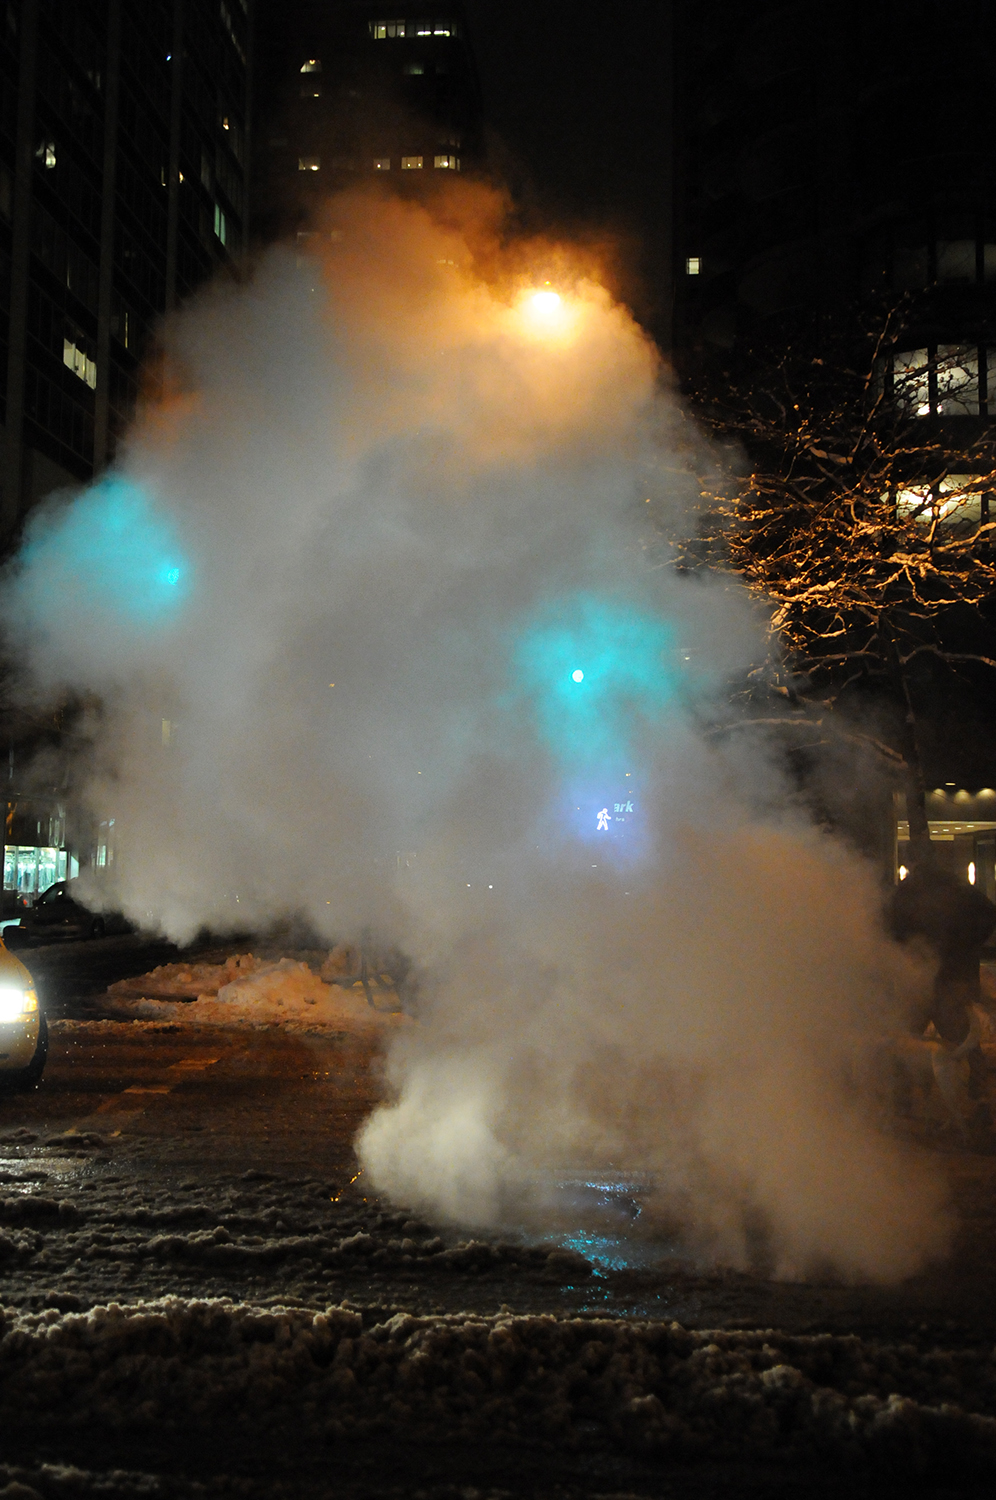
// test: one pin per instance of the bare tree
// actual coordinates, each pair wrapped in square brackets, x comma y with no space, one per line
[856,492]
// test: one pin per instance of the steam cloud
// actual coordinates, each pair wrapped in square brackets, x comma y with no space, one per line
[390,467]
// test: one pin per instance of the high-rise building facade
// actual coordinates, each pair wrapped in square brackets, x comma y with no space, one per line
[124,141]
[835,167]
[357,93]
[830,153]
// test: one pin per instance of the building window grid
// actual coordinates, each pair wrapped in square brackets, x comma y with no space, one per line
[64,258]
[388,30]
[915,262]
[68,98]
[56,414]
[146,73]
[60,422]
[143,138]
[936,380]
[73,190]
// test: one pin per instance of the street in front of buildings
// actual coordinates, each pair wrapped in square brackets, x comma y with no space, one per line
[214,1168]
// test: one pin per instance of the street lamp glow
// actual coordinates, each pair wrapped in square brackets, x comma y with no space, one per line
[545,304]
[545,313]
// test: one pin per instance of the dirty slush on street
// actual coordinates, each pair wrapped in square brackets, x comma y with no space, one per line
[200,1296]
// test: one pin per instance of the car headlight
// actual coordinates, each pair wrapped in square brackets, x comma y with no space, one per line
[17,1002]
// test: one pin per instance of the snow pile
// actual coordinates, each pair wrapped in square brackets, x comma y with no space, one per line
[248,991]
[68,1482]
[658,1388]
[186,981]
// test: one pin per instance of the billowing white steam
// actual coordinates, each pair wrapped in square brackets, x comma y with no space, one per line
[392,468]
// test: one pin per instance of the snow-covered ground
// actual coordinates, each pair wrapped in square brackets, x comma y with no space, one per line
[332,1374]
[257,1340]
[250,991]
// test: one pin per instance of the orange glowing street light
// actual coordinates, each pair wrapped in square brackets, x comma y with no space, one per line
[545,304]
[545,312]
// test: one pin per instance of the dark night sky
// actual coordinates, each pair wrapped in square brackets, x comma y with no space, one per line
[579,96]
[579,93]
[576,101]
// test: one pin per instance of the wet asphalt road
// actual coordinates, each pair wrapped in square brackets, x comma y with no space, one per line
[170,1104]
[187,1099]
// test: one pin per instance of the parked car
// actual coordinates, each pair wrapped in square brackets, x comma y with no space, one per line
[23,1030]
[59,913]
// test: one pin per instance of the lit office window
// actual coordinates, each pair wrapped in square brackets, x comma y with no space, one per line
[77,360]
[410,163]
[313,65]
[46,154]
[957,381]
[693,266]
[954,503]
[938,382]
[309,164]
[911,381]
[382,30]
[382,163]
[452,162]
[220,225]
[124,324]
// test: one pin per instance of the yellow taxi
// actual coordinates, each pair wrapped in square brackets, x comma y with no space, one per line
[23,1031]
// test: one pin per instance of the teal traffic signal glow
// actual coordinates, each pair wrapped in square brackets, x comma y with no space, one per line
[596,671]
[108,552]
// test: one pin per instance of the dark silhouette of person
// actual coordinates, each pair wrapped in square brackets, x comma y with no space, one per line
[955,919]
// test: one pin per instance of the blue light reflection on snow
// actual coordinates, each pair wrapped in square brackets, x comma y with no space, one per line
[600,1219]
[110,552]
